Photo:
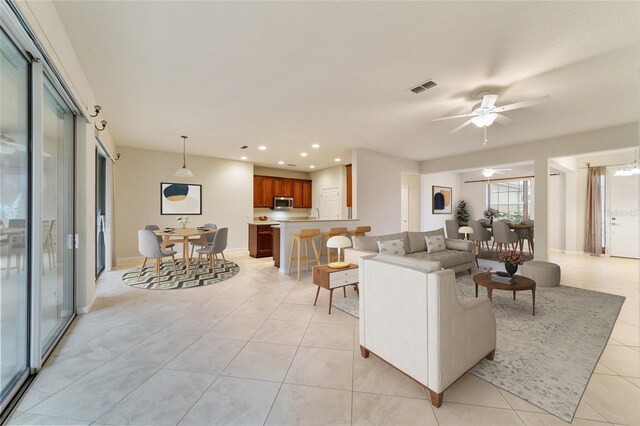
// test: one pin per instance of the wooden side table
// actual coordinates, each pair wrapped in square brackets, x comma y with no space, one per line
[325,277]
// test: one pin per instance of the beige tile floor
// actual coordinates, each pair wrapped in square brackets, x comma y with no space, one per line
[254,350]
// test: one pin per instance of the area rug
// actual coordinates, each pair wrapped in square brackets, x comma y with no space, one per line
[548,358]
[169,280]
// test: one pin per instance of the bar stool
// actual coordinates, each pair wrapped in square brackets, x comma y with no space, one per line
[359,231]
[333,232]
[304,236]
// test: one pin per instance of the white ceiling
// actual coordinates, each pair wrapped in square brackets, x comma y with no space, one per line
[290,74]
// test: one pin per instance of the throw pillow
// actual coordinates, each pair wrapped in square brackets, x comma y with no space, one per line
[395,247]
[435,243]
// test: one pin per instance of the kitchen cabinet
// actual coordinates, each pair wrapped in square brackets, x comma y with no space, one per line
[349,186]
[257,191]
[297,193]
[306,194]
[260,240]
[267,191]
[283,187]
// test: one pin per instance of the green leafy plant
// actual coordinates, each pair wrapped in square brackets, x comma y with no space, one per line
[461,213]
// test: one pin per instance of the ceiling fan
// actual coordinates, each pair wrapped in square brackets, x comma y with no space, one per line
[490,172]
[484,114]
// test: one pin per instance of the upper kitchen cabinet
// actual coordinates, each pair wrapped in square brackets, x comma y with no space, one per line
[267,187]
[297,194]
[306,194]
[257,191]
[349,186]
[283,187]
[268,184]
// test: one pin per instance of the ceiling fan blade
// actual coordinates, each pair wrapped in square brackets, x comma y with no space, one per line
[471,114]
[503,119]
[488,101]
[466,123]
[522,104]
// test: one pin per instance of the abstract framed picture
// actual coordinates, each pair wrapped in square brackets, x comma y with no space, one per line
[180,198]
[441,198]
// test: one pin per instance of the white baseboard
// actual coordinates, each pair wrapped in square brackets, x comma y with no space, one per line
[86,309]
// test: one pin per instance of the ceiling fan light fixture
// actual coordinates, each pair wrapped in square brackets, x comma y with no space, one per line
[484,120]
[487,172]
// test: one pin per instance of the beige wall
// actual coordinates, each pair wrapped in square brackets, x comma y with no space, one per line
[268,171]
[432,221]
[227,195]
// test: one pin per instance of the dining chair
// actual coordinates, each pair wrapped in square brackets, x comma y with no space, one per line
[503,236]
[526,234]
[218,246]
[208,237]
[157,228]
[452,230]
[150,248]
[16,245]
[480,235]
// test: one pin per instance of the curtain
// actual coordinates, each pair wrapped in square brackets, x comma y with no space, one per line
[593,223]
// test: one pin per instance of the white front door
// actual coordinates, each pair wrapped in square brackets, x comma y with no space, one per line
[329,204]
[404,208]
[624,218]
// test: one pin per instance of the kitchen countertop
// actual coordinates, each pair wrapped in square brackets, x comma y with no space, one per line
[265,222]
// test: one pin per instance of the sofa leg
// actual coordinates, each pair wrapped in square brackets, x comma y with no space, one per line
[469,271]
[490,355]
[364,352]
[436,398]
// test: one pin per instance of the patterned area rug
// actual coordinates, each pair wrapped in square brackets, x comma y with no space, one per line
[204,275]
[548,358]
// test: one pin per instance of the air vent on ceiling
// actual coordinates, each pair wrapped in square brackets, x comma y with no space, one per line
[244,147]
[424,86]
[291,165]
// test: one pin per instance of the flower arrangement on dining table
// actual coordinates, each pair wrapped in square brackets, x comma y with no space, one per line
[183,220]
[491,213]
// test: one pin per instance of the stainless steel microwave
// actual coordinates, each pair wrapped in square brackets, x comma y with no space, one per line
[282,203]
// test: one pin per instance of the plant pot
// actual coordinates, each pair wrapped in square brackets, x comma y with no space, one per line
[511,269]
[491,220]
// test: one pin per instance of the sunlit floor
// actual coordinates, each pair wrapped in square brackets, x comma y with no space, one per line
[254,350]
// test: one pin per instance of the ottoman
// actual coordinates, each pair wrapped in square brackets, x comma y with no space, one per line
[545,274]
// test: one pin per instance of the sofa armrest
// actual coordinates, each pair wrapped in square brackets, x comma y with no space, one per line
[462,245]
[353,255]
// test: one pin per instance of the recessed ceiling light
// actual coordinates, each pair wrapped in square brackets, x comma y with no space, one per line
[281,162]
[262,147]
[303,154]
[312,166]
[337,160]
[243,158]
[315,146]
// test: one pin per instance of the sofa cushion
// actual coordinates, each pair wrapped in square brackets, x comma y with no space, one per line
[435,243]
[394,247]
[362,242]
[447,258]
[420,264]
[417,242]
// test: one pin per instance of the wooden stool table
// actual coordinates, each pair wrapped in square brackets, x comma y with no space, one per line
[520,283]
[325,277]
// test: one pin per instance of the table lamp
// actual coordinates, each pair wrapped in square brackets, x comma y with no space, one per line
[466,230]
[339,242]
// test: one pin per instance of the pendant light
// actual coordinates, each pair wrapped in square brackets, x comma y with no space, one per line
[629,169]
[183,171]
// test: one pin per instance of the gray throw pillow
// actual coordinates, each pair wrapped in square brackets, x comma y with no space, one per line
[435,243]
[393,247]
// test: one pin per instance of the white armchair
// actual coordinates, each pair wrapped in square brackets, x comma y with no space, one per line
[411,318]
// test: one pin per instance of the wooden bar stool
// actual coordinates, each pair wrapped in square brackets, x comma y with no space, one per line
[304,236]
[325,237]
[360,231]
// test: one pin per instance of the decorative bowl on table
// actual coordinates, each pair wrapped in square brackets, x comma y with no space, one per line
[262,218]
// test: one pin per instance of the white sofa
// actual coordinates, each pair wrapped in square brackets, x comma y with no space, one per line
[411,318]
[458,256]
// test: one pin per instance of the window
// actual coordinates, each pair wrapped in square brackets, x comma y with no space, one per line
[513,199]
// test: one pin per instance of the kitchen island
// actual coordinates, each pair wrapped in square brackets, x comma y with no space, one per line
[290,227]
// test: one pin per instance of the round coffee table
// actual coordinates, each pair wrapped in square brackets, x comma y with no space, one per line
[520,283]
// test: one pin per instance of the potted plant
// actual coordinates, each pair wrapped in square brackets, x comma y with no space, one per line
[511,260]
[461,213]
[491,213]
[183,220]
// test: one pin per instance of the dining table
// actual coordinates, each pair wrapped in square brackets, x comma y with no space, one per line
[185,236]
[516,226]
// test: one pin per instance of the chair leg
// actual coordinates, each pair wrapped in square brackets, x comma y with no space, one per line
[291,255]
[223,258]
[198,261]
[142,267]
[175,268]
[315,252]
[298,260]
[306,255]
[158,269]
[192,249]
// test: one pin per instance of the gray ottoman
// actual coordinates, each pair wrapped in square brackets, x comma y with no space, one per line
[545,274]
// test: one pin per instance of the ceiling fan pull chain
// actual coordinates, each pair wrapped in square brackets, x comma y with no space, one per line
[485,135]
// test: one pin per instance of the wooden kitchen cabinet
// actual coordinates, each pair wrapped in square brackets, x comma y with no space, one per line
[257,191]
[260,240]
[267,191]
[283,187]
[306,194]
[349,186]
[276,246]
[297,193]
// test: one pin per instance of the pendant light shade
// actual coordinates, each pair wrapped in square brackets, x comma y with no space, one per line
[183,171]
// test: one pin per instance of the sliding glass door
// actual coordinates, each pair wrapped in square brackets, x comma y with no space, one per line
[101,203]
[14,215]
[56,260]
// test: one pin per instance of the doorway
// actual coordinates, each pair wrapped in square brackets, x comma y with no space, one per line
[623,220]
[330,204]
[404,208]
[101,201]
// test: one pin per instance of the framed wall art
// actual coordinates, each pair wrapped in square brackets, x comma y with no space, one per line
[180,198]
[441,199]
